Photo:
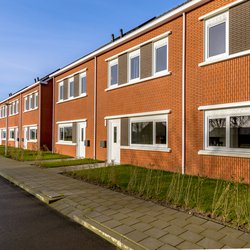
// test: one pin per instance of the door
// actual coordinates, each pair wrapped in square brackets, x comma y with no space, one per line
[16,138]
[25,138]
[114,141]
[81,137]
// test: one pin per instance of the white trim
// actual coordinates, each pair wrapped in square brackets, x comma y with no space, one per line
[82,75]
[154,39]
[31,125]
[72,99]
[145,148]
[72,75]
[147,27]
[224,153]
[26,111]
[239,54]
[60,84]
[225,106]
[138,81]
[66,143]
[131,55]
[71,121]
[160,112]
[71,81]
[220,10]
[31,93]
[34,128]
[110,65]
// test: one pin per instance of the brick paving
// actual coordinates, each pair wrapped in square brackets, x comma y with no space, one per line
[127,222]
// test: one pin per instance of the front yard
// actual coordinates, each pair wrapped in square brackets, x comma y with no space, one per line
[227,201]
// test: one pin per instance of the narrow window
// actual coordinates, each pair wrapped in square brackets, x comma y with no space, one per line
[36,100]
[33,133]
[71,87]
[134,65]
[61,91]
[83,83]
[160,56]
[113,72]
[217,132]
[161,133]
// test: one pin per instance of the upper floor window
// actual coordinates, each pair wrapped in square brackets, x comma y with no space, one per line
[26,103]
[71,87]
[113,72]
[83,83]
[31,101]
[61,91]
[217,37]
[36,100]
[160,56]
[134,65]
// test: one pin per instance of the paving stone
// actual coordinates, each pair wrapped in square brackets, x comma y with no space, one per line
[155,232]
[130,221]
[101,209]
[142,226]
[167,247]
[137,235]
[136,214]
[190,236]
[212,225]
[93,214]
[196,220]
[231,231]
[210,244]
[160,224]
[233,242]
[110,212]
[123,229]
[171,239]
[179,222]
[151,243]
[119,216]
[102,218]
[245,237]
[175,230]
[213,234]
[194,228]
[188,245]
[112,223]
[147,219]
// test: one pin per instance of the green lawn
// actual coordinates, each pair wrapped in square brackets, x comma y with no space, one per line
[30,155]
[64,163]
[228,201]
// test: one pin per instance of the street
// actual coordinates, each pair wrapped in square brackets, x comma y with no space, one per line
[26,223]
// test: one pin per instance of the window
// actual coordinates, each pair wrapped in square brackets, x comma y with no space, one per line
[134,65]
[71,87]
[149,131]
[12,134]
[31,101]
[216,37]
[33,133]
[26,104]
[83,83]
[161,56]
[4,134]
[61,91]
[228,130]
[113,72]
[65,133]
[36,100]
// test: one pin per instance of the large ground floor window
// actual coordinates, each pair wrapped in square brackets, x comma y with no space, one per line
[65,133]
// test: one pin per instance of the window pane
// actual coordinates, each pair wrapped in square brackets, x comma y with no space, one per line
[68,134]
[61,134]
[135,61]
[114,74]
[161,58]
[240,132]
[33,134]
[161,133]
[115,134]
[61,92]
[217,132]
[142,133]
[217,39]
[71,88]
[83,85]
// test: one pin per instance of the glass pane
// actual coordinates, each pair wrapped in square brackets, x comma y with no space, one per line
[161,133]
[61,134]
[71,89]
[33,134]
[82,134]
[217,132]
[114,74]
[142,133]
[161,58]
[61,92]
[135,67]
[115,134]
[68,134]
[217,39]
[83,85]
[240,132]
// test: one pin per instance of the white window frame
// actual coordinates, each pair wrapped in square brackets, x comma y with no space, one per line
[110,65]
[65,125]
[4,133]
[32,128]
[26,100]
[132,55]
[223,113]
[156,45]
[80,84]
[11,130]
[36,100]
[60,98]
[221,18]
[154,119]
[69,83]
[17,106]
[30,97]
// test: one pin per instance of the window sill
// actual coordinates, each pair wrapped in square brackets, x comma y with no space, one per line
[138,81]
[244,53]
[32,141]
[66,143]
[72,99]
[161,149]
[225,153]
[30,110]
[13,115]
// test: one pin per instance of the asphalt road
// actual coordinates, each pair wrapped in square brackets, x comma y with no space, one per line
[26,223]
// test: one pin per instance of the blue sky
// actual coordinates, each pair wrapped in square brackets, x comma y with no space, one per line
[38,37]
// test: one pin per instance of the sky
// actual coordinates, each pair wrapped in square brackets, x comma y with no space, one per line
[39,36]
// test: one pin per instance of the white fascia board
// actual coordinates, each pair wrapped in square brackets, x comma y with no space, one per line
[71,121]
[155,23]
[161,112]
[225,106]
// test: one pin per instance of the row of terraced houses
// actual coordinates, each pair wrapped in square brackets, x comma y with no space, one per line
[173,94]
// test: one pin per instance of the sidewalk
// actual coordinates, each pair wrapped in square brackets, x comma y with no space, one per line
[125,221]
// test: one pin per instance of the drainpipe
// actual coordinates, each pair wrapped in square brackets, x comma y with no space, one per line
[95,100]
[53,116]
[183,93]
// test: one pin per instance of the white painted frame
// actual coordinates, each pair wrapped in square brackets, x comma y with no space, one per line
[60,85]
[71,81]
[82,75]
[36,100]
[32,128]
[132,55]
[223,113]
[11,130]
[221,18]
[65,125]
[80,147]
[110,65]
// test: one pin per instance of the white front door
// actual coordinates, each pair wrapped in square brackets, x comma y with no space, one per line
[114,141]
[25,138]
[81,137]
[16,137]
